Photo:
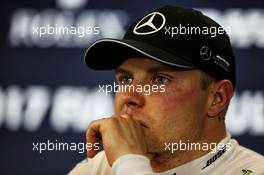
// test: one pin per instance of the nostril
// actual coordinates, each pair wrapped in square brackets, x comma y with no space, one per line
[131,103]
[133,100]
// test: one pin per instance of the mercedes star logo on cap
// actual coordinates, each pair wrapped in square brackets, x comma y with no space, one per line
[206,53]
[146,26]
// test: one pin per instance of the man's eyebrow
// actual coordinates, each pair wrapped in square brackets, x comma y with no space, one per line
[153,69]
[122,71]
[163,68]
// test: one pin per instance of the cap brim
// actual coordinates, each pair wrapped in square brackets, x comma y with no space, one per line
[106,54]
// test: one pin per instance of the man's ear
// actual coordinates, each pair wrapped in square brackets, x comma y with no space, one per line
[222,93]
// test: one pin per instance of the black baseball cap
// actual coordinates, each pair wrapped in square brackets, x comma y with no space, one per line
[172,35]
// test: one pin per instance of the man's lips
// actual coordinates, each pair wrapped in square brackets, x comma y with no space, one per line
[129,112]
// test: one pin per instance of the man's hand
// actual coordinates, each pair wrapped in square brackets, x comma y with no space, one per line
[120,135]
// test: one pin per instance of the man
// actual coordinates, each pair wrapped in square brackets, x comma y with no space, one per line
[178,128]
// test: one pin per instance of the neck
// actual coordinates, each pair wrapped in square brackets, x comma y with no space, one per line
[168,160]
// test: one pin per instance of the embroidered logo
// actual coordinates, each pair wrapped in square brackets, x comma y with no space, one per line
[206,53]
[146,25]
[215,157]
[246,172]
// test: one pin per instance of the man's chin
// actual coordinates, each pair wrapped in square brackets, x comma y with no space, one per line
[152,150]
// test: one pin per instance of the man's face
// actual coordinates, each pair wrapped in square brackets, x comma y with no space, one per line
[166,117]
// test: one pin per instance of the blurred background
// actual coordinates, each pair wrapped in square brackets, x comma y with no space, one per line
[47,95]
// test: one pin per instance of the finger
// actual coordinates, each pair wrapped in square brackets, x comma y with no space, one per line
[93,136]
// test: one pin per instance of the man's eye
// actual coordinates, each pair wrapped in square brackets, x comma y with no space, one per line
[160,80]
[125,80]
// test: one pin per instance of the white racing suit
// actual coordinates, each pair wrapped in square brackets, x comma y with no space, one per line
[236,160]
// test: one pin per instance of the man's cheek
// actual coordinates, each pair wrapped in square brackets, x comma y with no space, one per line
[153,141]
[167,102]
[117,103]
[179,99]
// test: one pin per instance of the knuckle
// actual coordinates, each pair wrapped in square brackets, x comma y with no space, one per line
[113,120]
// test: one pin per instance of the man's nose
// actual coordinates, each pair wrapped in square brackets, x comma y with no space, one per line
[132,101]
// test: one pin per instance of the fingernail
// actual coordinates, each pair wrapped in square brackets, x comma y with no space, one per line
[124,116]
